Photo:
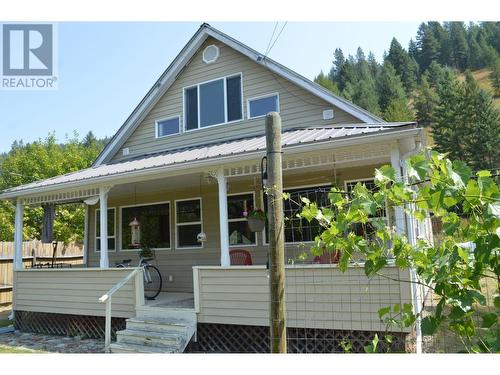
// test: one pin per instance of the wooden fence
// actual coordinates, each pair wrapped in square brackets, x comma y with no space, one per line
[43,252]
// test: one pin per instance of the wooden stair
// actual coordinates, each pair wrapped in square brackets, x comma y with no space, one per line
[156,330]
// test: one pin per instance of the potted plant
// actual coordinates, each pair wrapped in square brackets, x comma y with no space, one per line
[256,219]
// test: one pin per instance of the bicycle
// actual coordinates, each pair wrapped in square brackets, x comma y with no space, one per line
[152,276]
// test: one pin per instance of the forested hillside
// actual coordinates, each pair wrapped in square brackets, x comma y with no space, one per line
[431,82]
[46,158]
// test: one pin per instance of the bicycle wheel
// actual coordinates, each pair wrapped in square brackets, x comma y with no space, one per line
[152,282]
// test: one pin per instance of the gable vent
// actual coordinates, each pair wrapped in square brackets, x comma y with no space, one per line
[210,54]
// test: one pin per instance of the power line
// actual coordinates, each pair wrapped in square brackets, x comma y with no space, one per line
[275,40]
[271,38]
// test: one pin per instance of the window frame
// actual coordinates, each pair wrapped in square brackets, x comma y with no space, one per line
[95,231]
[277,94]
[265,240]
[202,244]
[369,179]
[147,204]
[242,219]
[157,122]
[224,78]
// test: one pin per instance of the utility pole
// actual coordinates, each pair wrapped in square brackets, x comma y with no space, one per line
[274,193]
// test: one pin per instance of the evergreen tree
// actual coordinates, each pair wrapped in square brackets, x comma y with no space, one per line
[481,120]
[413,50]
[374,65]
[338,63]
[324,81]
[399,111]
[363,92]
[426,102]
[459,45]
[389,86]
[495,76]
[428,46]
[405,67]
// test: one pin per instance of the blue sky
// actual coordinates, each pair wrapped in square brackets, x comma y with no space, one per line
[106,68]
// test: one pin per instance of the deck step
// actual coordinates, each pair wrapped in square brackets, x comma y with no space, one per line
[170,333]
[117,347]
[151,338]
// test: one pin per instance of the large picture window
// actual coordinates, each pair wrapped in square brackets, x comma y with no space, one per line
[239,231]
[188,223]
[154,220]
[213,103]
[111,229]
[298,229]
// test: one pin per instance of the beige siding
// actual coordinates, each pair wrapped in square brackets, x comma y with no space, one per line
[73,291]
[316,296]
[179,262]
[298,107]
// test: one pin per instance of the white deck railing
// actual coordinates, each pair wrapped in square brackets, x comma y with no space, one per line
[107,298]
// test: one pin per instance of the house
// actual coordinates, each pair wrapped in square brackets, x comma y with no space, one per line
[185,165]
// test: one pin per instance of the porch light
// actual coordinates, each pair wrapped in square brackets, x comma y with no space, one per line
[135,228]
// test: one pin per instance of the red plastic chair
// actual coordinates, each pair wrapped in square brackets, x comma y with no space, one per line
[240,257]
[328,258]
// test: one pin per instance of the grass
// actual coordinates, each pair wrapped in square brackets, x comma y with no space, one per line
[482,76]
[14,350]
[5,323]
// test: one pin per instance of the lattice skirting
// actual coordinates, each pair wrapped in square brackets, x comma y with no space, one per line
[66,325]
[229,338]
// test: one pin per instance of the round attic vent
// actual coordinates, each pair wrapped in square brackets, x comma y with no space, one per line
[210,54]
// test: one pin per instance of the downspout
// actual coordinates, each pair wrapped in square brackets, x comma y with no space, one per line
[416,293]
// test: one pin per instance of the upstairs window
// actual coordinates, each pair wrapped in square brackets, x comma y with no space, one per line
[167,126]
[213,103]
[262,105]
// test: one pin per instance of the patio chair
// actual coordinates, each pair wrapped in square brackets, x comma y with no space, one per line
[240,257]
[327,258]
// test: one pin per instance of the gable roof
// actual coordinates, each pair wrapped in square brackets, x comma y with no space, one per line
[170,74]
[229,151]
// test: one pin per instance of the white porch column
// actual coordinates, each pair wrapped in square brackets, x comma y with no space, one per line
[103,206]
[18,236]
[86,234]
[398,211]
[223,221]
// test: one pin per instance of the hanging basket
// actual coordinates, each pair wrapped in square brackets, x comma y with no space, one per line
[255,224]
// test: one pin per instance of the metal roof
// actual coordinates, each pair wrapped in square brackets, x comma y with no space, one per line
[253,144]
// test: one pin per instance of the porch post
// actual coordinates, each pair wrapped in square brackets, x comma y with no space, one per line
[86,234]
[18,236]
[103,203]
[223,223]
[398,211]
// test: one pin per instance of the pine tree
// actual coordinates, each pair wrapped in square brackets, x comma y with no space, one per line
[363,92]
[323,80]
[495,76]
[389,86]
[405,67]
[374,65]
[399,111]
[459,45]
[428,46]
[338,63]
[482,122]
[425,103]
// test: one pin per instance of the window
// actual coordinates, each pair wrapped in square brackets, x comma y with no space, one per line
[154,220]
[188,222]
[111,230]
[213,103]
[239,232]
[261,106]
[297,229]
[167,127]
[365,229]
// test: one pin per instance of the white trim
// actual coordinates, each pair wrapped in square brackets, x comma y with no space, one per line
[262,97]
[177,247]
[241,220]
[120,229]
[95,230]
[170,74]
[166,119]
[224,80]
[216,55]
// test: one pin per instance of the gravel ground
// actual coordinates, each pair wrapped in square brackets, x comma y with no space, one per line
[54,344]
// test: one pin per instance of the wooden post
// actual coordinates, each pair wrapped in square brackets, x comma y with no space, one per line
[274,193]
